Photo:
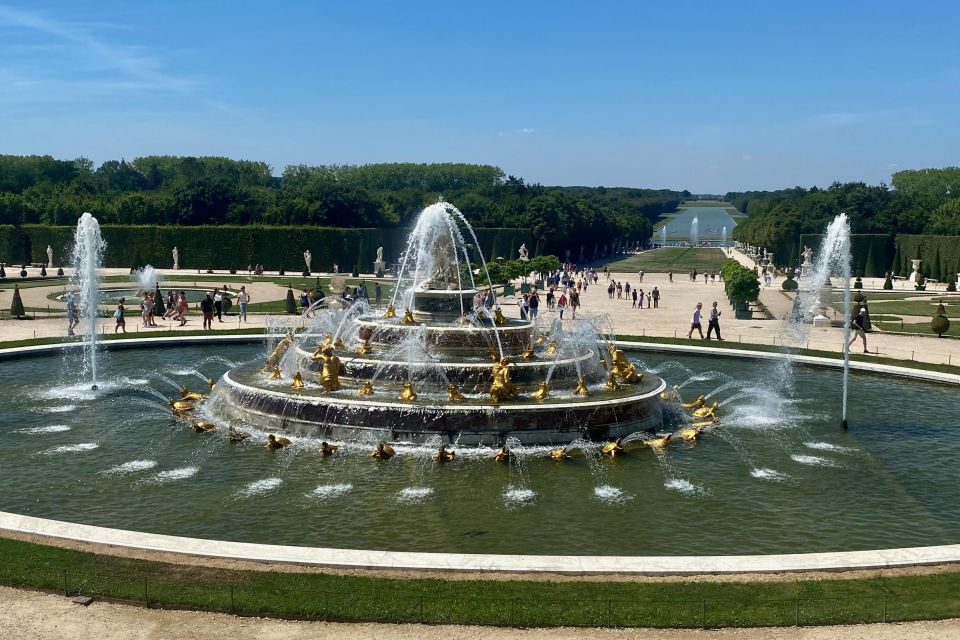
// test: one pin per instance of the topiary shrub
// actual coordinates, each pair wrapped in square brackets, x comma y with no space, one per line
[3,272]
[951,286]
[888,282]
[858,283]
[921,283]
[356,271]
[789,284]
[291,301]
[233,270]
[16,307]
[940,323]
[23,271]
[43,272]
[281,272]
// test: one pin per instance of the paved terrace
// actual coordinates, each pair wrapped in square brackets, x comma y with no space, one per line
[671,319]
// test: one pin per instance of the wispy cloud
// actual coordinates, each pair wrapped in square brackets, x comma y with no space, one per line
[522,131]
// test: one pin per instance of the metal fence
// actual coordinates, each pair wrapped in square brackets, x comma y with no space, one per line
[293,597]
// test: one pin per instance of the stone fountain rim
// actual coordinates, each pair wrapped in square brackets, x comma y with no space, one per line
[421,561]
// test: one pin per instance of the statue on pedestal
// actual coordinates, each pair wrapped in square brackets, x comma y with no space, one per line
[379,254]
[524,254]
[307,258]
[49,257]
[176,259]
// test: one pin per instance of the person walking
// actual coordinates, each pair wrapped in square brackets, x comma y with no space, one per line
[695,322]
[243,299]
[640,301]
[119,317]
[669,276]
[655,298]
[206,306]
[562,303]
[714,321]
[182,307]
[856,325]
[634,298]
[533,303]
[218,304]
[574,303]
[72,318]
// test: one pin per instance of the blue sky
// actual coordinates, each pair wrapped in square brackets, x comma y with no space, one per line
[709,96]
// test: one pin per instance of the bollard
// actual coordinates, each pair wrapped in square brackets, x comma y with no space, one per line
[703,614]
[65,591]
[146,600]
[798,612]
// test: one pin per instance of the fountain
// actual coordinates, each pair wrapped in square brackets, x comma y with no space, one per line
[723,237]
[449,366]
[695,231]
[86,256]
[663,236]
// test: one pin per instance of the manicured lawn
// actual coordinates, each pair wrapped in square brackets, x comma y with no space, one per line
[680,260]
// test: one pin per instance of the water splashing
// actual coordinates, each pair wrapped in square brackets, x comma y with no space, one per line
[86,256]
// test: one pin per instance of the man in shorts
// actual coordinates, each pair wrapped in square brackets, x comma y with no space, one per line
[206,306]
[695,323]
[856,328]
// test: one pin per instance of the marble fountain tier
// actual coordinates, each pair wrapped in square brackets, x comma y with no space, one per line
[439,365]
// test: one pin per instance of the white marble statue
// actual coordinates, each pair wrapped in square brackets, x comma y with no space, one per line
[307,258]
[379,254]
[807,256]
[524,254]
[49,257]
[176,258]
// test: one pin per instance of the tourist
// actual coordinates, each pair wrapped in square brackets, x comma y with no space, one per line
[378,294]
[641,276]
[857,326]
[243,299]
[206,306]
[145,309]
[182,307]
[574,303]
[551,300]
[562,303]
[305,297]
[713,323]
[640,300]
[649,300]
[619,291]
[655,298]
[119,317]
[151,309]
[72,319]
[524,303]
[626,289]
[533,304]
[218,303]
[695,322]
[171,309]
[611,289]
[670,276]
[634,299]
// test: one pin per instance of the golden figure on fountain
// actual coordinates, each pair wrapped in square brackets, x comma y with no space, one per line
[498,318]
[338,344]
[552,347]
[391,312]
[581,389]
[366,389]
[612,383]
[501,388]
[696,404]
[492,354]
[273,359]
[454,394]
[327,449]
[330,374]
[527,354]
[408,394]
[623,369]
[277,442]
[542,392]
[503,454]
[560,454]
[611,449]
[658,443]
[541,338]
[201,426]
[443,454]
[671,393]
[689,435]
[297,381]
[275,374]
[707,412]
[408,317]
[364,347]
[383,451]
[193,396]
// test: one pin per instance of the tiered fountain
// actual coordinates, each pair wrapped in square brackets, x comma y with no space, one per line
[443,361]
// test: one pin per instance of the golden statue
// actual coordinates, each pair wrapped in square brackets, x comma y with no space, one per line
[503,454]
[581,389]
[211,382]
[338,344]
[501,388]
[443,454]
[327,341]
[186,394]
[277,442]
[623,369]
[611,449]
[498,318]
[330,374]
[391,312]
[327,449]
[712,422]
[275,374]
[408,394]
[560,454]
[552,347]
[696,404]
[181,406]
[408,317]
[492,354]
[201,426]
[612,383]
[658,443]
[706,412]
[383,451]
[541,338]
[297,381]
[542,392]
[364,347]
[671,393]
[273,359]
[235,435]
[527,354]
[454,394]
[690,435]
[464,320]
[366,389]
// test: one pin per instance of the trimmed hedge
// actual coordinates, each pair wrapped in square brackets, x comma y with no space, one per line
[928,249]
[233,247]
[871,254]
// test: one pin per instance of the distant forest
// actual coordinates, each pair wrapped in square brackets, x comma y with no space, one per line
[925,201]
[173,190]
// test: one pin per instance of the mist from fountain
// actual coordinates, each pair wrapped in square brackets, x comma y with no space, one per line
[663,236]
[723,237]
[695,231]
[87,256]
[147,278]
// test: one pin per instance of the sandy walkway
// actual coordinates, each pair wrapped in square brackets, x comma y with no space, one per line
[27,614]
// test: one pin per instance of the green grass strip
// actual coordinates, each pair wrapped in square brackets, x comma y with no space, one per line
[519,603]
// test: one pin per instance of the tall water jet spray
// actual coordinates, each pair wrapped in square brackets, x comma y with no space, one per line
[663,236]
[723,237]
[695,231]
[86,256]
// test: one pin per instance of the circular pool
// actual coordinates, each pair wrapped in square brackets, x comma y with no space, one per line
[110,297]
[778,476]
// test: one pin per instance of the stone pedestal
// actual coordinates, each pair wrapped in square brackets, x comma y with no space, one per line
[379,266]
[916,271]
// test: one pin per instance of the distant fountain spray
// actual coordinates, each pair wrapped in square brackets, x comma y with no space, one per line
[663,236]
[695,231]
[86,256]
[723,237]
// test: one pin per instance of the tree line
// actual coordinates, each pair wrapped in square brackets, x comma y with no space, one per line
[175,190]
[924,201]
